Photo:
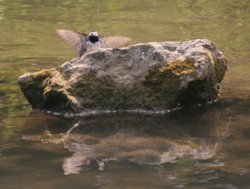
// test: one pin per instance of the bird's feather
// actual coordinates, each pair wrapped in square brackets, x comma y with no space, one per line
[74,39]
[114,41]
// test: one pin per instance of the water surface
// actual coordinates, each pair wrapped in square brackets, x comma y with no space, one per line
[206,147]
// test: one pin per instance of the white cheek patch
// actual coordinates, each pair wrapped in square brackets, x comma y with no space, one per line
[94,33]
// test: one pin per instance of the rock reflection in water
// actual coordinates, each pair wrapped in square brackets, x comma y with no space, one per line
[148,141]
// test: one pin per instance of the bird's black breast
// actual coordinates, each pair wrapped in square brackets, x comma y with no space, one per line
[93,39]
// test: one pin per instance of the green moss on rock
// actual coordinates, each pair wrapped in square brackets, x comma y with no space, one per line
[103,92]
[47,89]
[164,82]
[179,67]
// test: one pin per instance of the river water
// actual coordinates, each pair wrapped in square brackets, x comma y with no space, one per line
[202,147]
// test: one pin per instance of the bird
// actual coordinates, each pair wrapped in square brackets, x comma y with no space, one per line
[84,43]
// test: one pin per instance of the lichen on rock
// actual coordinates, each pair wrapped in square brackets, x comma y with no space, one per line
[151,76]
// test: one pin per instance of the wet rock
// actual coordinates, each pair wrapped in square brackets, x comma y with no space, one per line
[154,76]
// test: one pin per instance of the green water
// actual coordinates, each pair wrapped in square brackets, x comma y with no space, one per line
[207,147]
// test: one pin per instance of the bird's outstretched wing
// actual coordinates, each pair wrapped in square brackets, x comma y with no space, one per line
[114,41]
[74,39]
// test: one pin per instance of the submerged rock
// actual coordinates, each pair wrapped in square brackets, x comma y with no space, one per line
[154,76]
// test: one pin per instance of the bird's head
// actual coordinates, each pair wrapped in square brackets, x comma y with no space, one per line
[93,33]
[93,37]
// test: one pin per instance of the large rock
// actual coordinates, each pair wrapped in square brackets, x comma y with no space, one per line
[153,76]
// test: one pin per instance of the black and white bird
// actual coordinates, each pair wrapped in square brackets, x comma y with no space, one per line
[83,43]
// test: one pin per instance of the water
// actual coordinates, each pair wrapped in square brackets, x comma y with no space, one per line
[206,147]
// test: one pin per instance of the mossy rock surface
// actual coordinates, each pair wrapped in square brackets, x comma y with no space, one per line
[153,76]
